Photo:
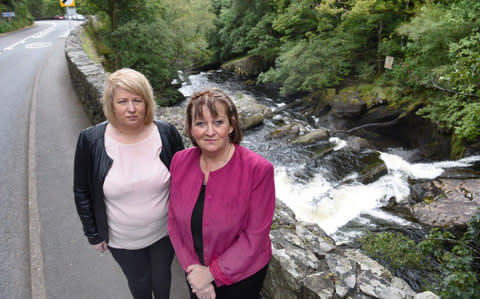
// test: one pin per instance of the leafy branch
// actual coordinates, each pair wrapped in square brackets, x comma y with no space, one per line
[437,86]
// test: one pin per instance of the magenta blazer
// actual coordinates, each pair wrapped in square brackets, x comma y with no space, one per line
[237,216]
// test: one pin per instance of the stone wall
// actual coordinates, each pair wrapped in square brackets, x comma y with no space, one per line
[306,263]
[87,77]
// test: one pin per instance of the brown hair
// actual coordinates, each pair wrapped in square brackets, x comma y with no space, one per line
[134,82]
[212,99]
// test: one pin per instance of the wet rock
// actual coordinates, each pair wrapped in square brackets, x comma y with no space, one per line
[373,170]
[313,136]
[423,191]
[289,131]
[460,173]
[250,112]
[358,144]
[368,166]
[454,207]
[348,104]
[246,66]
[473,149]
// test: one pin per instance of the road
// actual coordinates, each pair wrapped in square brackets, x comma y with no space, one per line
[43,253]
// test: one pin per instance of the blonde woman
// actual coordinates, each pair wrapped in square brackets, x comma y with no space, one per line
[122,183]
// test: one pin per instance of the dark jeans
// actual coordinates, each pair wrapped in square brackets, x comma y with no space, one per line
[249,288]
[147,269]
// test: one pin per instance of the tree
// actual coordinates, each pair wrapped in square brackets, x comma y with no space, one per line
[150,49]
[446,65]
[236,19]
[190,22]
[120,10]
[36,7]
[310,65]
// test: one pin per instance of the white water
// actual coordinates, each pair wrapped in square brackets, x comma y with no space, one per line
[319,201]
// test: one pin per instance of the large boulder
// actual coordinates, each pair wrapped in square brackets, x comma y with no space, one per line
[348,104]
[313,136]
[250,112]
[306,263]
[457,202]
[249,66]
[288,131]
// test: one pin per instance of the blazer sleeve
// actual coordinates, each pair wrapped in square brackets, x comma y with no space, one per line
[81,189]
[252,249]
[177,229]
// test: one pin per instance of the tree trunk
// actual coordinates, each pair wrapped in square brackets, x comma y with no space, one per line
[379,57]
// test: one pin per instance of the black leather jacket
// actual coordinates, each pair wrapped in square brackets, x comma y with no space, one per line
[91,167]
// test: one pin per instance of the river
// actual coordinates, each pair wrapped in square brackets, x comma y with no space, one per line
[323,188]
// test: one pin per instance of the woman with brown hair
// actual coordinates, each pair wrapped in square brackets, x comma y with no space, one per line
[222,201]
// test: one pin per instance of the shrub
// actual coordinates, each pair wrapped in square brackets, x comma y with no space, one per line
[455,260]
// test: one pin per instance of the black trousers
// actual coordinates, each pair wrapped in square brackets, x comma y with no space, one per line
[148,269]
[249,288]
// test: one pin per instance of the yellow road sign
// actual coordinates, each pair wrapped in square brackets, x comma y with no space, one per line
[67,3]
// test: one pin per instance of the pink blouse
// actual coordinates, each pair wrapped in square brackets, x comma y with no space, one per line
[237,216]
[136,193]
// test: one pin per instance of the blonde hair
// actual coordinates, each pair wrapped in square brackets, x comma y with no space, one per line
[134,82]
[212,99]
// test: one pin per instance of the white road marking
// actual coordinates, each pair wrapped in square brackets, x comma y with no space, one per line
[37,35]
[38,45]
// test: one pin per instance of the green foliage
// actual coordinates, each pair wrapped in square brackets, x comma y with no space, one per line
[35,7]
[122,11]
[298,67]
[296,19]
[52,8]
[393,250]
[22,18]
[191,22]
[6,27]
[236,18]
[263,40]
[447,63]
[151,49]
[97,34]
[456,256]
